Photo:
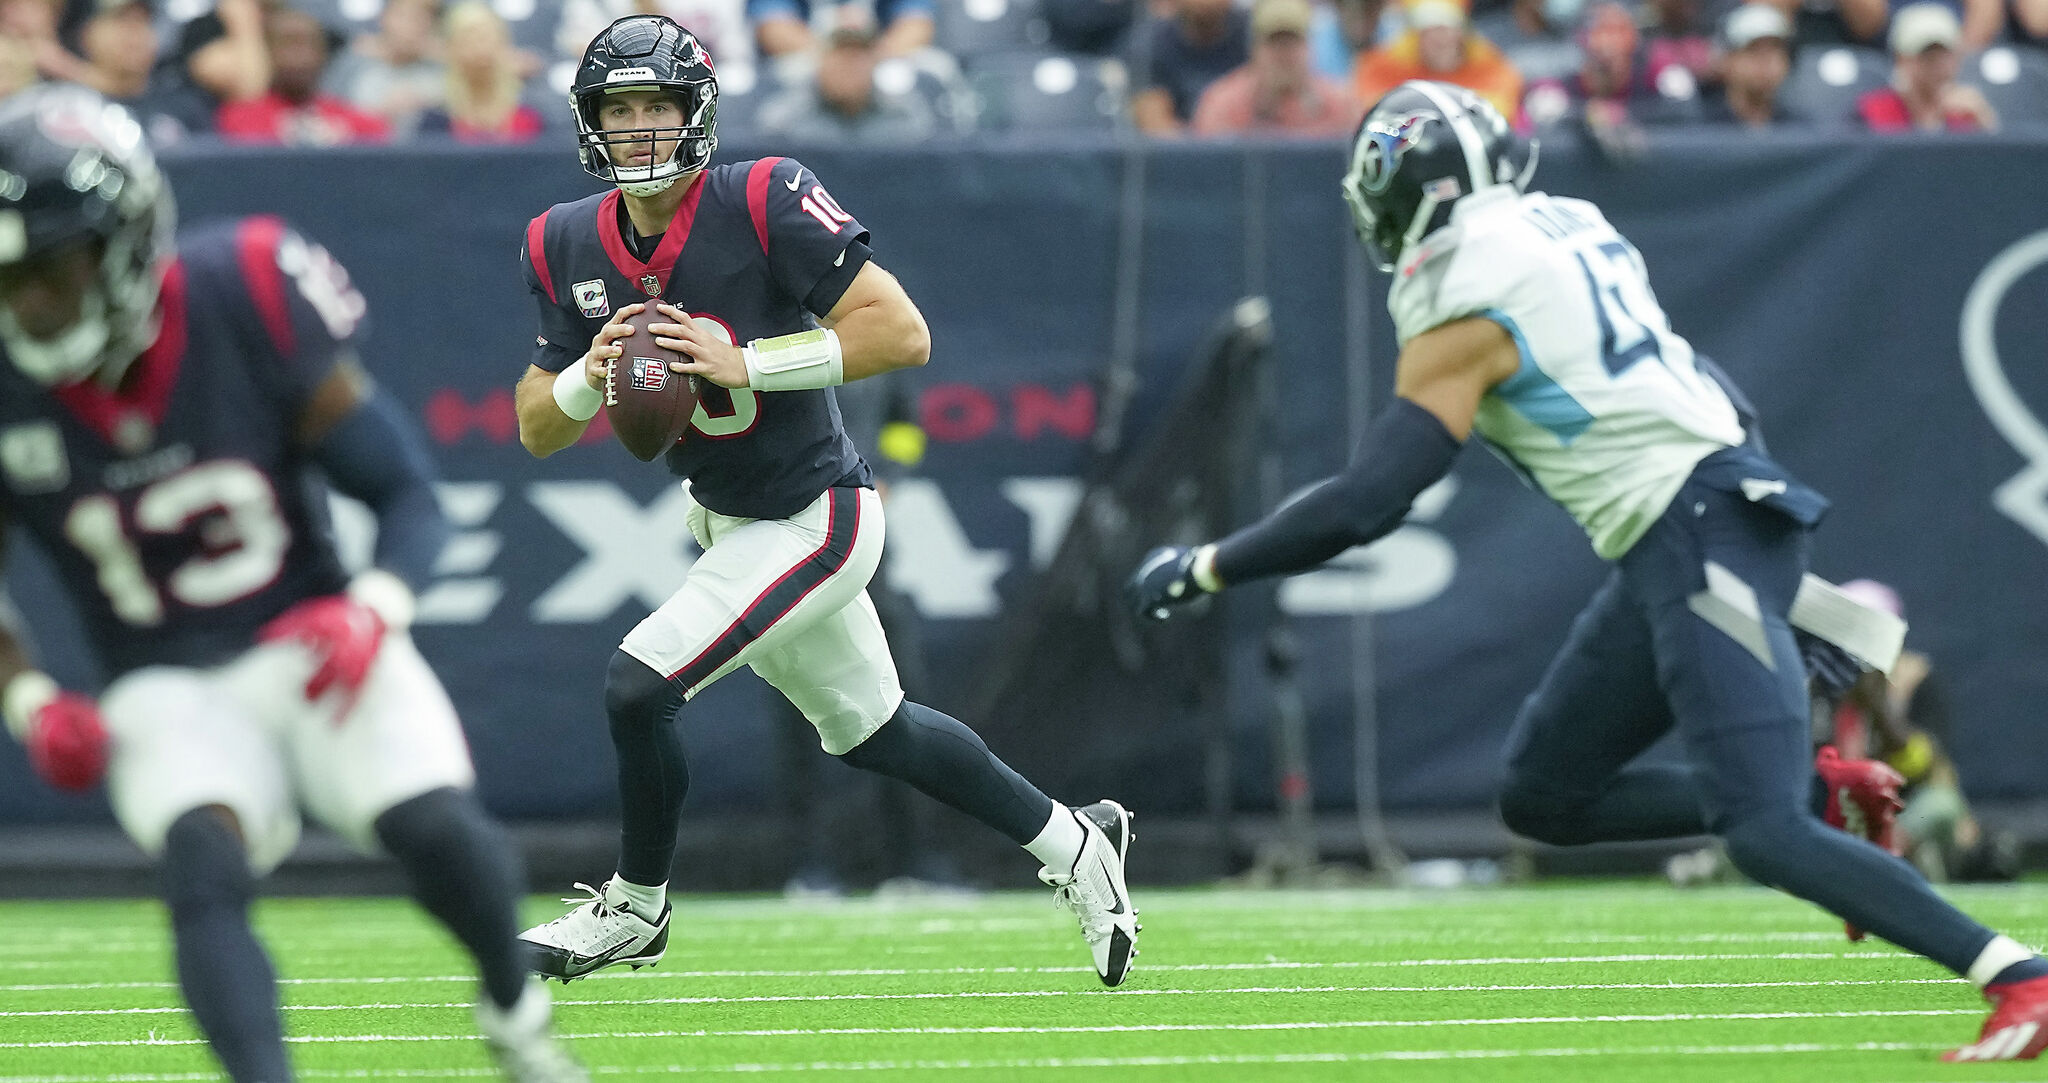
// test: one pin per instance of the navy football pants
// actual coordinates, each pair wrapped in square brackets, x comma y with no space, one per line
[1668,643]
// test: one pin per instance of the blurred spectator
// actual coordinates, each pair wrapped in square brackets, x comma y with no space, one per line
[1866,22]
[2027,23]
[396,72]
[1924,93]
[1330,47]
[842,105]
[294,111]
[1440,45]
[1535,36]
[35,23]
[1680,35]
[783,27]
[1089,26]
[1904,720]
[1175,58]
[1613,91]
[1277,92]
[221,57]
[719,25]
[1756,40]
[482,92]
[120,46]
[17,65]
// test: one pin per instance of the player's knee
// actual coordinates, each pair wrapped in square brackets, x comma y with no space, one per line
[436,826]
[204,866]
[635,695]
[1542,813]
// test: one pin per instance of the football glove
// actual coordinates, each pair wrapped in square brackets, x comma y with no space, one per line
[1863,800]
[1164,579]
[344,635]
[67,742]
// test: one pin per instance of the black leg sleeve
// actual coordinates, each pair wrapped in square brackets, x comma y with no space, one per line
[939,755]
[653,774]
[464,872]
[226,977]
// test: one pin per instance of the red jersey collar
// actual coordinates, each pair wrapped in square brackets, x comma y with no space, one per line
[145,394]
[663,262]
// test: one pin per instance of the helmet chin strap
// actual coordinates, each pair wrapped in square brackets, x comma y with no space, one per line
[649,187]
[68,358]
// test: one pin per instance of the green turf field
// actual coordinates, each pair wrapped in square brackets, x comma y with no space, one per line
[1583,983]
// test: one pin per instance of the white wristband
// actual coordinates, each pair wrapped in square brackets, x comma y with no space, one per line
[385,595]
[574,394]
[801,362]
[28,693]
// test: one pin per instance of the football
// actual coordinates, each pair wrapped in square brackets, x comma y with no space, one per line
[649,407]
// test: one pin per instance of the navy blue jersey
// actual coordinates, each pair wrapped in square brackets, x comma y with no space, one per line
[757,249]
[178,511]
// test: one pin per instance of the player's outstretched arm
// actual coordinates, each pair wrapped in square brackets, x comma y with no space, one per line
[1441,376]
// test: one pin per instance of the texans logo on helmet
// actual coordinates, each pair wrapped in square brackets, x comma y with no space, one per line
[1382,156]
[649,374]
[698,55]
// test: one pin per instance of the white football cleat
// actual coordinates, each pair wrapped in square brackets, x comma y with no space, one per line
[602,931]
[1093,890]
[521,1039]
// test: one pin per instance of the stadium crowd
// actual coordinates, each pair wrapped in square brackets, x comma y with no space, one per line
[322,72]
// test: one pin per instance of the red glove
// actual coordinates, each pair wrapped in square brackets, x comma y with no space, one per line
[67,742]
[344,635]
[1863,800]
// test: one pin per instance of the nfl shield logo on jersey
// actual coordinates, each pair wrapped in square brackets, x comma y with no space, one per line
[591,299]
[32,453]
[649,374]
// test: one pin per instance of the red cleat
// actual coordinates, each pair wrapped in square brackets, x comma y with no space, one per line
[2018,1027]
[1863,800]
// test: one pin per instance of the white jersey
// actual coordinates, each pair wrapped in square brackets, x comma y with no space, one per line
[1609,411]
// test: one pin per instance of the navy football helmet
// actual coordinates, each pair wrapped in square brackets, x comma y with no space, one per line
[646,52]
[74,172]
[1418,151]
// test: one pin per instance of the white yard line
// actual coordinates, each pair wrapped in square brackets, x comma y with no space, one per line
[886,972]
[1131,1028]
[1047,1063]
[1006,994]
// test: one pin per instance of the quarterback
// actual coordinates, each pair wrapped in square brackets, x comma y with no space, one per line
[776,298]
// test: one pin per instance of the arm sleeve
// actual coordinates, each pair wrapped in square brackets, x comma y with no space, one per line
[376,456]
[307,311]
[561,339]
[807,235]
[832,287]
[1404,452]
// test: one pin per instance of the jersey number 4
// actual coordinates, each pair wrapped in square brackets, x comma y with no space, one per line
[1624,305]
[243,539]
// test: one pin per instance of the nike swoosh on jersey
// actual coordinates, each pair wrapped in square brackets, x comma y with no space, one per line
[796,180]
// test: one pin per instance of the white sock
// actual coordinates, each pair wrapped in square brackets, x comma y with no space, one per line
[1058,844]
[2001,952]
[642,900]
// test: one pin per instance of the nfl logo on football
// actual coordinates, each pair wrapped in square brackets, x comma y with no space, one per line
[649,374]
